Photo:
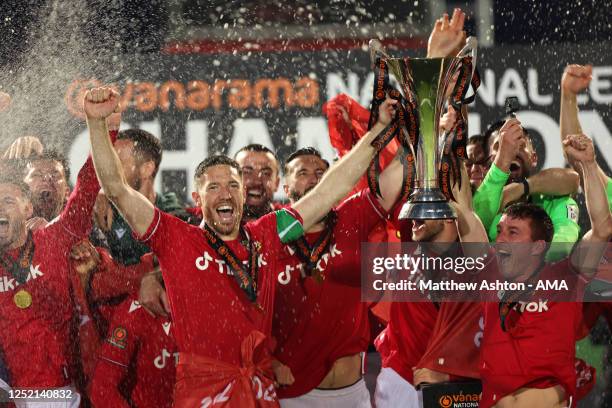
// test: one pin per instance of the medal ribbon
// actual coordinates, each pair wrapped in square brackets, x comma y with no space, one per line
[404,127]
[245,276]
[511,299]
[20,269]
[455,143]
[310,256]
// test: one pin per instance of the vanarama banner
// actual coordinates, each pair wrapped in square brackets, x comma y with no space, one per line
[202,104]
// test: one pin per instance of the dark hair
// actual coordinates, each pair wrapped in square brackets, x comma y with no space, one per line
[539,221]
[11,172]
[52,155]
[256,147]
[476,140]
[216,160]
[304,151]
[145,144]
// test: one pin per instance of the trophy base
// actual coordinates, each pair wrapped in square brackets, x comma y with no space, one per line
[427,204]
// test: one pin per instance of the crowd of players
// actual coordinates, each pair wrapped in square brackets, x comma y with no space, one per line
[127,298]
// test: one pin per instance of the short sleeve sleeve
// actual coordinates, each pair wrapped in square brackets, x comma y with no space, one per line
[363,210]
[163,231]
[269,229]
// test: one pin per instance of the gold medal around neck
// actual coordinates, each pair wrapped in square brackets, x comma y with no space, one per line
[23,299]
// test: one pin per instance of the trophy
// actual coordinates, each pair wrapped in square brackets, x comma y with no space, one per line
[425,85]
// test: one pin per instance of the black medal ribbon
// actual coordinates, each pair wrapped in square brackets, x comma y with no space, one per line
[404,127]
[455,144]
[511,299]
[310,256]
[245,276]
[20,269]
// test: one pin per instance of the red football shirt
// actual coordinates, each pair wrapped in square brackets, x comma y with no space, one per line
[404,341]
[540,350]
[454,347]
[137,361]
[211,314]
[317,323]
[36,339]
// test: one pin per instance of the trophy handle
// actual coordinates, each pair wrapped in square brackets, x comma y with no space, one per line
[377,50]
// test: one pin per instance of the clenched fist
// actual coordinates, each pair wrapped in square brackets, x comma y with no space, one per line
[448,120]
[100,103]
[386,111]
[576,78]
[579,148]
[511,141]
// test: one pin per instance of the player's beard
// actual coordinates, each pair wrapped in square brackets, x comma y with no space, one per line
[295,195]
[253,212]
[47,204]
[519,170]
[10,231]
[223,224]
[427,231]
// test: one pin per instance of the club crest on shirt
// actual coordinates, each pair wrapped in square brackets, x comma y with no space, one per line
[119,338]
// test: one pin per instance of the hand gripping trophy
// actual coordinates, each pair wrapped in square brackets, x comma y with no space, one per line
[425,86]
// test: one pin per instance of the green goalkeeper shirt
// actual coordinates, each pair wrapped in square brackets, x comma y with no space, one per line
[562,210]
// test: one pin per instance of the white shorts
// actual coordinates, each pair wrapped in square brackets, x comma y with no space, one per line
[73,402]
[353,396]
[392,391]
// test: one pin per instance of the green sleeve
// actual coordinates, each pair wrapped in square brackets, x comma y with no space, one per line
[488,197]
[563,212]
[609,192]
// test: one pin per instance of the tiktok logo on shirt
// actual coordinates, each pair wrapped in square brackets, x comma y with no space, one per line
[9,284]
[284,277]
[206,261]
[160,361]
[534,307]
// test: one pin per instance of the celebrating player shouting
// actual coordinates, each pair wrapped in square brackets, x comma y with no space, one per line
[221,305]
[536,344]
[320,322]
[35,296]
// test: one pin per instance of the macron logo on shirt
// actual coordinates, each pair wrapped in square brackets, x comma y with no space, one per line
[9,284]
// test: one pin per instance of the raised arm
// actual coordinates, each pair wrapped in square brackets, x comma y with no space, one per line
[447,37]
[553,182]
[587,254]
[575,79]
[468,224]
[134,207]
[342,176]
[488,197]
